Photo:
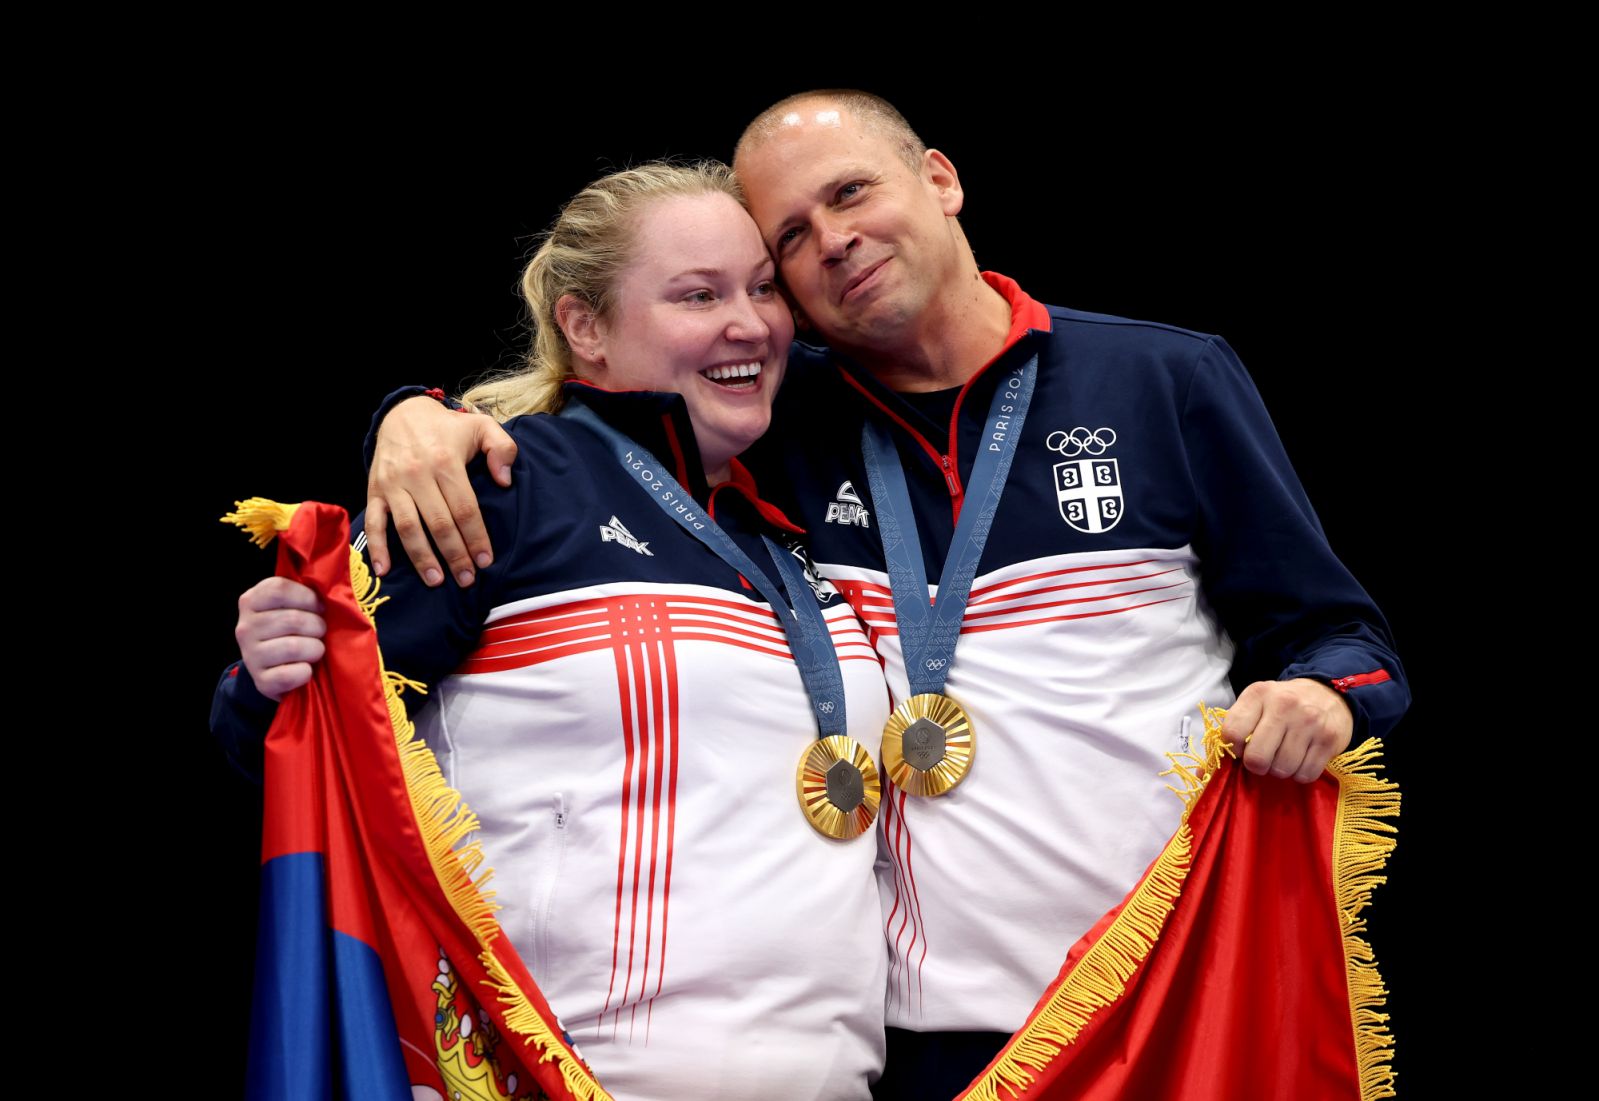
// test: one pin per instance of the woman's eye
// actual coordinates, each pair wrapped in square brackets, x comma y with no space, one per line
[699,298]
[765,289]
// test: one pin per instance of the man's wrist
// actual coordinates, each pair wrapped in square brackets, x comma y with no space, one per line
[403,394]
[448,402]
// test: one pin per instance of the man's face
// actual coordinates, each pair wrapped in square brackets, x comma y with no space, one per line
[864,244]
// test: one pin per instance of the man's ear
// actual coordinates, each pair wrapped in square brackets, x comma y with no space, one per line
[939,174]
[582,329]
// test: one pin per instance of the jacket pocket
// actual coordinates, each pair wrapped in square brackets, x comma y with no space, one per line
[549,881]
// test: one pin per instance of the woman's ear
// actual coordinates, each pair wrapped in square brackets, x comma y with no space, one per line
[582,329]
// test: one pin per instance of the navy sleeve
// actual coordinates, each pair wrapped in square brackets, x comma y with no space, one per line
[1290,606]
[423,633]
[240,715]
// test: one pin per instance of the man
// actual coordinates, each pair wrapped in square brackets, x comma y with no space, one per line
[1138,539]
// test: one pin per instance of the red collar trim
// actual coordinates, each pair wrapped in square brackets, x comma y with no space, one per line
[1026,315]
[575,381]
[743,482]
[1025,311]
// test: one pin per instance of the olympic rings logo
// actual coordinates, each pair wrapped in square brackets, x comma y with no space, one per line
[1081,441]
[827,707]
[936,663]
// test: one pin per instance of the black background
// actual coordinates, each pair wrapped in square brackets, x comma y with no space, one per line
[330,242]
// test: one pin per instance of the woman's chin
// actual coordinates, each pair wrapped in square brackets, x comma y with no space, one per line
[720,444]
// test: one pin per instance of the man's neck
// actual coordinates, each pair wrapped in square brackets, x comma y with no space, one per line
[953,340]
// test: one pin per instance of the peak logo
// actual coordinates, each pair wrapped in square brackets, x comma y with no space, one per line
[616,532]
[847,508]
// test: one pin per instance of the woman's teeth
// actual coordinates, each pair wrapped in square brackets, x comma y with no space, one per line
[734,374]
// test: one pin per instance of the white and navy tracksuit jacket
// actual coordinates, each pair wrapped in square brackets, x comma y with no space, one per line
[1153,549]
[623,714]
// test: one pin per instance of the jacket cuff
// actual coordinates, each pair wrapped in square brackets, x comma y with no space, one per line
[240,718]
[1377,696]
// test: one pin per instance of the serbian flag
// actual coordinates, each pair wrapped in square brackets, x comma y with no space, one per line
[1235,970]
[380,972]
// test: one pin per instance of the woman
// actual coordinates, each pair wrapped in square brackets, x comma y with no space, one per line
[618,698]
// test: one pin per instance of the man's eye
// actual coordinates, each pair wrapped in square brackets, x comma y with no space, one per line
[787,237]
[849,191]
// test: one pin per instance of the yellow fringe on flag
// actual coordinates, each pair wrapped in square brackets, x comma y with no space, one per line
[364,584]
[260,518]
[1361,844]
[443,818]
[1193,771]
[521,1017]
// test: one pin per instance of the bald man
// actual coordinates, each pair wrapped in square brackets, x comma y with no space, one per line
[1135,542]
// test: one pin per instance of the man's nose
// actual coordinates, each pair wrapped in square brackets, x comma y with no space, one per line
[835,241]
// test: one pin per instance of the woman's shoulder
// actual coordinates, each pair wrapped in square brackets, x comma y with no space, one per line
[553,471]
[546,445]
[547,455]
[558,462]
[539,426]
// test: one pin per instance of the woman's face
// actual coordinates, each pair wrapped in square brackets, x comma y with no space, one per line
[697,312]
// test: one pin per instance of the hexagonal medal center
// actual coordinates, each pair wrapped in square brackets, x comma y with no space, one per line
[923,744]
[844,787]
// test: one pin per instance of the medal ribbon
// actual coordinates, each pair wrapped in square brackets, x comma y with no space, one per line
[801,619]
[928,631]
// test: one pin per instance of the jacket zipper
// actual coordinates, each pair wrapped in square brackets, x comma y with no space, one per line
[945,461]
[552,877]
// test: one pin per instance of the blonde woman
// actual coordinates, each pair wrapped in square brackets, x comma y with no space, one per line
[622,697]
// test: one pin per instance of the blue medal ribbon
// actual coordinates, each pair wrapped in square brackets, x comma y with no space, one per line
[928,631]
[806,630]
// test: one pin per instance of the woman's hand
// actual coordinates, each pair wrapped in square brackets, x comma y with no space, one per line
[418,479]
[280,635]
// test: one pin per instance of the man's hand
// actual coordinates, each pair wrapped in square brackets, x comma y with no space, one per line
[280,635]
[1294,727]
[419,480]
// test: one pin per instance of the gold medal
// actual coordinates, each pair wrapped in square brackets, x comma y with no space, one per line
[928,745]
[838,787]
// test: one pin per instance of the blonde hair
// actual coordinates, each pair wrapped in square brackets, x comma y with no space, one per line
[582,254]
